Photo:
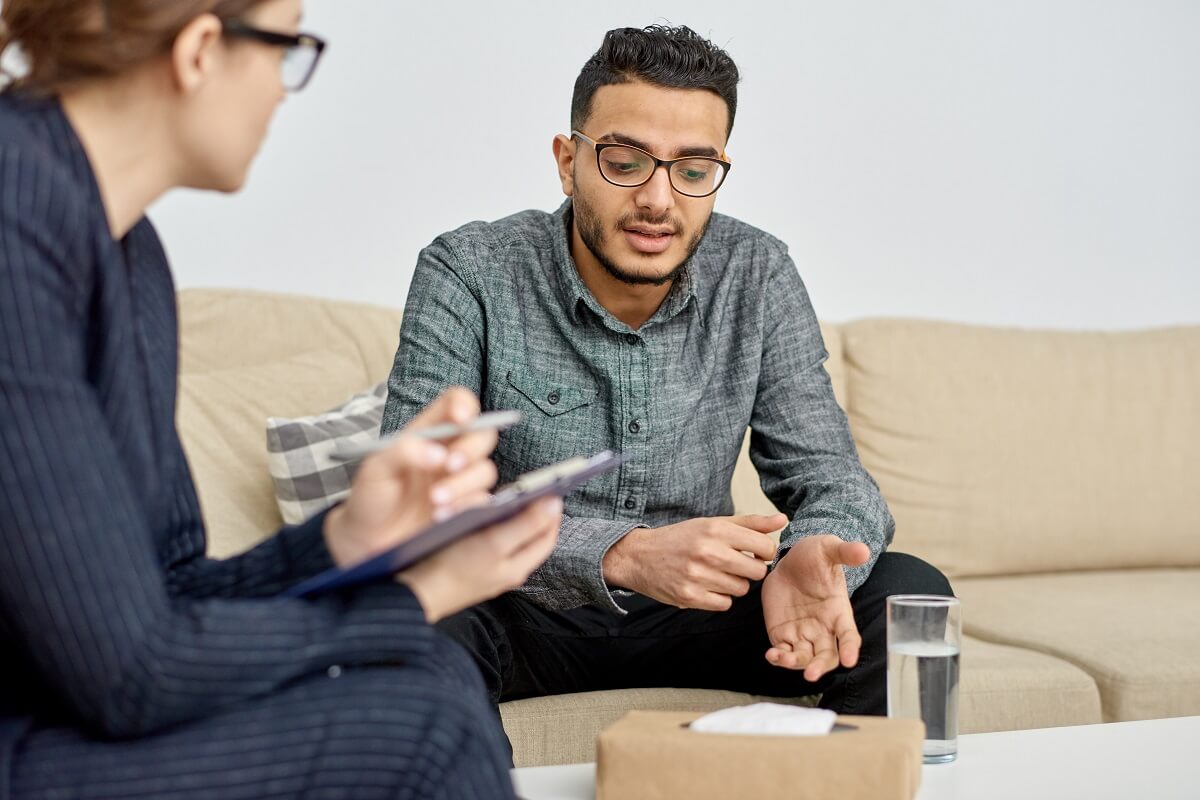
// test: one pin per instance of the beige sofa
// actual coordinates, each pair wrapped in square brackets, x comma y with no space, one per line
[1054,476]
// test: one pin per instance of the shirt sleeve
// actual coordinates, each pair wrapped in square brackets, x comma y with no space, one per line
[83,598]
[800,439]
[442,345]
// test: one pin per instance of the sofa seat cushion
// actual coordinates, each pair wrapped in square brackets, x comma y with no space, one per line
[1003,688]
[1134,631]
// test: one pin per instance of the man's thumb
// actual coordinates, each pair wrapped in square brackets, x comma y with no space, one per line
[850,554]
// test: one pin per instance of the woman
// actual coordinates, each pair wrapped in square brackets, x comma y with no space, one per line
[132,665]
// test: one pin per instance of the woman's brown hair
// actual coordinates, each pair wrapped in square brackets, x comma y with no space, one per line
[67,41]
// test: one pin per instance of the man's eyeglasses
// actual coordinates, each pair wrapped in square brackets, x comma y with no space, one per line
[624,165]
[302,51]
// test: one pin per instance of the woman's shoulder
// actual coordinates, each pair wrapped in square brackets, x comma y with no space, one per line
[35,152]
[41,190]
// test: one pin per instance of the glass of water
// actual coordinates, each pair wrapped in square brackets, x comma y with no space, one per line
[924,636]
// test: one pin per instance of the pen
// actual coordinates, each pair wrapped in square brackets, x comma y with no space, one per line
[492,420]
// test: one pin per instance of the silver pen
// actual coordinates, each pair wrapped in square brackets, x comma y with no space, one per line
[492,420]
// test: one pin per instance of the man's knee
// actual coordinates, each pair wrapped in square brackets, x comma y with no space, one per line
[900,573]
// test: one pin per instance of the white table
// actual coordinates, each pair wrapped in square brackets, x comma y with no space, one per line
[1151,759]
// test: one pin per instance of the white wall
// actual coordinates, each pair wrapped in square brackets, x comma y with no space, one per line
[1027,162]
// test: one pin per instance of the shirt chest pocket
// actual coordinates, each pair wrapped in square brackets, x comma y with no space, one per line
[552,398]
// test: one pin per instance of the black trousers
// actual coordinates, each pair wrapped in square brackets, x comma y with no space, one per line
[527,651]
[408,731]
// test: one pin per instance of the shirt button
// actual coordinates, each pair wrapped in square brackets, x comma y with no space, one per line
[634,427]
[630,503]
[632,338]
[553,398]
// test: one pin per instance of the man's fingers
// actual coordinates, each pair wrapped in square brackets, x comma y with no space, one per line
[720,582]
[740,539]
[790,648]
[824,660]
[849,641]
[736,563]
[763,523]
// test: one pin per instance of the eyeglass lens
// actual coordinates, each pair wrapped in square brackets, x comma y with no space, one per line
[626,166]
[298,63]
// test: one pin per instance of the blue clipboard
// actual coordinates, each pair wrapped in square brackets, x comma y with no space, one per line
[558,479]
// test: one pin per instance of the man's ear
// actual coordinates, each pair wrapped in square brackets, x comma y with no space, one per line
[564,154]
[195,53]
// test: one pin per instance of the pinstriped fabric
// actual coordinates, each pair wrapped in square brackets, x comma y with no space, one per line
[322,737]
[114,624]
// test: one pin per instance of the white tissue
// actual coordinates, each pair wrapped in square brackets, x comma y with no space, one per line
[768,719]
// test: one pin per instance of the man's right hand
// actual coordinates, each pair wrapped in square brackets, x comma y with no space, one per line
[701,563]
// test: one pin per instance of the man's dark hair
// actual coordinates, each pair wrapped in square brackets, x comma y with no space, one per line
[677,58]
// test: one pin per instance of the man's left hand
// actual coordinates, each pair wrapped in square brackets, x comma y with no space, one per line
[806,606]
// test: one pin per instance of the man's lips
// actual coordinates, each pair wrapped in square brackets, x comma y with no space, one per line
[649,240]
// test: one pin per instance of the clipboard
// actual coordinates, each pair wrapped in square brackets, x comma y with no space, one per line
[556,480]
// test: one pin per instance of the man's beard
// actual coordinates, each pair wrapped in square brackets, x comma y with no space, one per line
[591,231]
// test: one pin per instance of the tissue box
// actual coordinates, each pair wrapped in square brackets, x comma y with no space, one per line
[648,755]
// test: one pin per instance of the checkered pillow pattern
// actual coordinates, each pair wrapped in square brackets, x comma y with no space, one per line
[307,479]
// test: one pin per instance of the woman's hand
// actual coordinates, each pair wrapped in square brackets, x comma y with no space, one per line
[485,564]
[403,489]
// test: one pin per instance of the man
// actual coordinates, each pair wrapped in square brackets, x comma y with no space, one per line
[635,319]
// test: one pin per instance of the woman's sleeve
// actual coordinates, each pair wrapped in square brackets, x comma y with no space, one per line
[83,599]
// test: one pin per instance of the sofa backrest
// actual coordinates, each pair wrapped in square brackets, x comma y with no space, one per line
[1008,451]
[999,451]
[246,356]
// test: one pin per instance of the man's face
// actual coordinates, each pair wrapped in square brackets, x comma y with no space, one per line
[644,234]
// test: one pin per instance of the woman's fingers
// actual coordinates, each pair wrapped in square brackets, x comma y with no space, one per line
[480,476]
[455,405]
[512,535]
[470,448]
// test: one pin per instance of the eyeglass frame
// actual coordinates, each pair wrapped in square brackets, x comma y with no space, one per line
[241,30]
[658,162]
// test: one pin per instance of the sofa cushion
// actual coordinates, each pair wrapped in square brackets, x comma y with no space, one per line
[1009,451]
[300,453]
[1006,688]
[1134,631]
[246,356]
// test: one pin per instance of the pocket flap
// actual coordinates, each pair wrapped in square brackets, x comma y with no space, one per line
[552,398]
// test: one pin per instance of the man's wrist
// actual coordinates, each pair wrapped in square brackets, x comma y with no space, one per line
[620,561]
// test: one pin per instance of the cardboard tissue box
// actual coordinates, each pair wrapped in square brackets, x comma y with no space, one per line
[654,755]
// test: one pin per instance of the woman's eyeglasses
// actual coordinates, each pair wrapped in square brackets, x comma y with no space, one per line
[302,51]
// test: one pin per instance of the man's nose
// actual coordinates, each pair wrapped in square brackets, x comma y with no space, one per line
[656,194]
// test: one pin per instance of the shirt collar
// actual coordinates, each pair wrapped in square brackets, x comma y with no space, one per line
[577,295]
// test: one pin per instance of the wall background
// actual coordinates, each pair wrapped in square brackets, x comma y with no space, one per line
[1031,162]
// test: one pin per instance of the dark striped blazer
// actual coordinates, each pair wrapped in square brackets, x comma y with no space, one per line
[112,619]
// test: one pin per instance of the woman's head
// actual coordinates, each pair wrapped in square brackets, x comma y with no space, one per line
[212,80]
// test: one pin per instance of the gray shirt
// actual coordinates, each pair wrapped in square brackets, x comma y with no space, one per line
[500,308]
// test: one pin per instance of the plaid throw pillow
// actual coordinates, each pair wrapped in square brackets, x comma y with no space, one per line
[306,479]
